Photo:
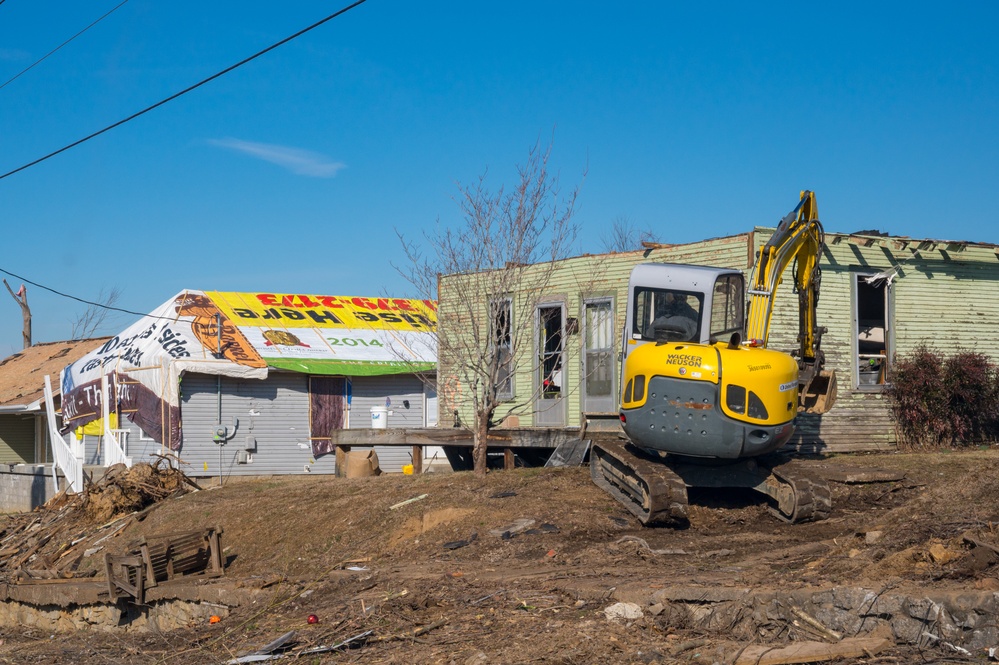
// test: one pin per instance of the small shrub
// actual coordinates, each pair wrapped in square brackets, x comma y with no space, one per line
[973,396]
[939,401]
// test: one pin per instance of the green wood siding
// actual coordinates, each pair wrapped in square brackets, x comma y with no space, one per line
[945,295]
[17,439]
[576,280]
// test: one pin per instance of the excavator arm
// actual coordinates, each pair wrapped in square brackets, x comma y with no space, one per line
[799,237]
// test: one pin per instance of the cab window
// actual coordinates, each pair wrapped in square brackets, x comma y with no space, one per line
[667,315]
[727,305]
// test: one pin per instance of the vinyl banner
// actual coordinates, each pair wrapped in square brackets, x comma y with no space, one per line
[146,360]
[347,335]
[240,335]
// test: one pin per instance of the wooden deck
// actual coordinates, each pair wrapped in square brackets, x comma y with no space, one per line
[507,440]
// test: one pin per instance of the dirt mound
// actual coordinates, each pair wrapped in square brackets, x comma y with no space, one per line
[520,566]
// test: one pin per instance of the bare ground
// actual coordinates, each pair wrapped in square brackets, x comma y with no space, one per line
[433,567]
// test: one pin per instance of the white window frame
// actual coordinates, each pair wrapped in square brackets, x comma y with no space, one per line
[504,392]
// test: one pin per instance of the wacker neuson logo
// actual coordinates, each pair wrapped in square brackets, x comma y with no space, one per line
[682,359]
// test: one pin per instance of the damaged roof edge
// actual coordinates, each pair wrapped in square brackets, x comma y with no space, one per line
[898,242]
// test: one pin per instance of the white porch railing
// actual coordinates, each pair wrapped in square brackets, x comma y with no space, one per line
[114,452]
[68,459]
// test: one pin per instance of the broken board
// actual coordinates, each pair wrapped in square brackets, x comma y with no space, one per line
[854,475]
[812,652]
[569,453]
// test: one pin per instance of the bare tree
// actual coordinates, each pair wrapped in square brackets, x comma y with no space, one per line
[21,298]
[91,319]
[625,237]
[487,273]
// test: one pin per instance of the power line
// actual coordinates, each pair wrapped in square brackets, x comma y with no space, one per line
[85,302]
[24,71]
[185,90]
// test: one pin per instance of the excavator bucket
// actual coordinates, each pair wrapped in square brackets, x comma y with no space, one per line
[819,395]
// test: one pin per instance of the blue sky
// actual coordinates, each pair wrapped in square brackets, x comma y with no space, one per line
[292,173]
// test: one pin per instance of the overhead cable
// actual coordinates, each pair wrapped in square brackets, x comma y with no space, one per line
[185,90]
[85,302]
[25,70]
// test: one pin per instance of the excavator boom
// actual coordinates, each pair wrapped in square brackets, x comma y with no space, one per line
[800,238]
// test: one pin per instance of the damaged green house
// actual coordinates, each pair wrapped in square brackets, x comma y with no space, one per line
[880,296]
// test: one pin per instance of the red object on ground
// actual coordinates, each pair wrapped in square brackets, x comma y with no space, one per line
[313,618]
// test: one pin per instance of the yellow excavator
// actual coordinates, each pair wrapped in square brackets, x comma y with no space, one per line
[705,403]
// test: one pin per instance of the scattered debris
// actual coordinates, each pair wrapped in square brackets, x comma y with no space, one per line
[277,644]
[343,564]
[970,538]
[130,489]
[282,648]
[485,598]
[812,652]
[942,554]
[356,639]
[54,540]
[413,633]
[512,529]
[689,645]
[623,612]
[831,635]
[456,544]
[954,647]
[644,545]
[871,537]
[162,558]
[408,501]
[853,475]
[569,453]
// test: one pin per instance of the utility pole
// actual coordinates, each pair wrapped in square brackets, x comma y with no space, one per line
[21,297]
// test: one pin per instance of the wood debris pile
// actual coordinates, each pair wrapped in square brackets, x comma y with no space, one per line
[126,490]
[55,540]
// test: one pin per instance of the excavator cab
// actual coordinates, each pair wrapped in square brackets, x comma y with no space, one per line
[683,303]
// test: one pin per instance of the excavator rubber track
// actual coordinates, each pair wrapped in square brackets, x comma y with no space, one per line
[649,489]
[812,494]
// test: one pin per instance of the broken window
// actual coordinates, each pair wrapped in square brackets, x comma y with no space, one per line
[502,338]
[872,326]
[550,347]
